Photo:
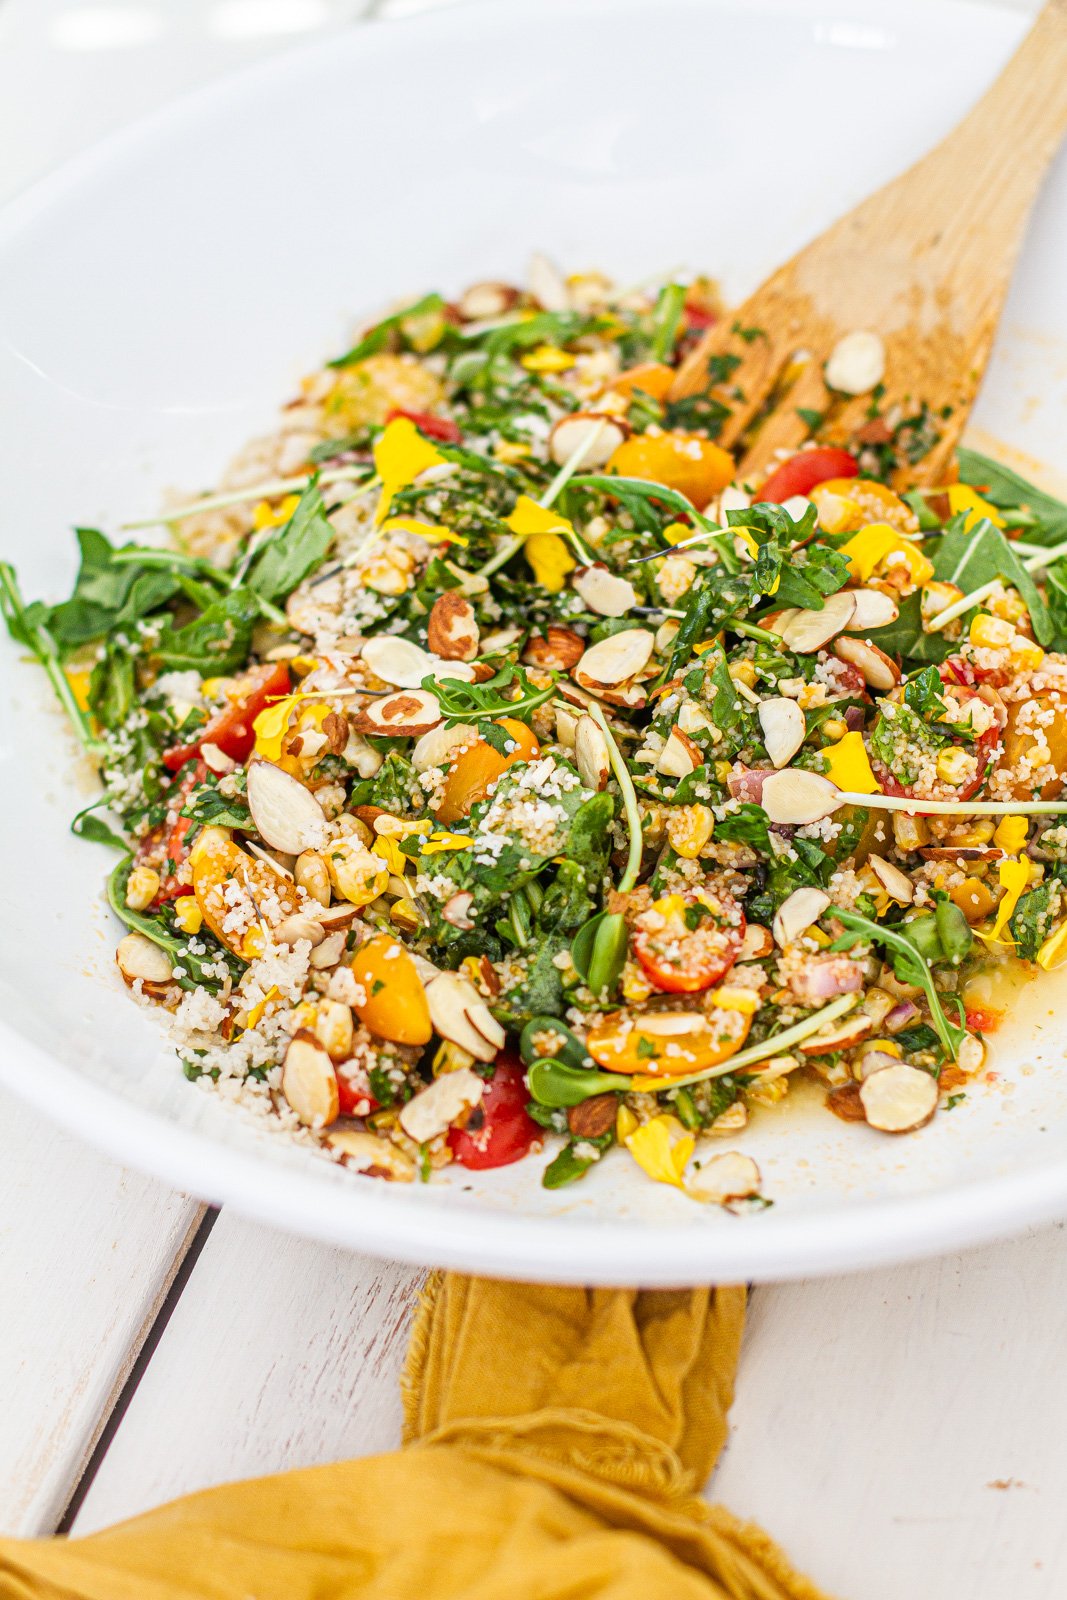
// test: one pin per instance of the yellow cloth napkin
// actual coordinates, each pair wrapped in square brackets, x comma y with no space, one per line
[555,1441]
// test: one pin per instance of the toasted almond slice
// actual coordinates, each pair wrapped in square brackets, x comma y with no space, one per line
[434,1109]
[875,1061]
[333,1028]
[970,1057]
[566,728]
[334,918]
[873,610]
[809,631]
[435,748]
[897,884]
[456,909]
[877,670]
[459,1015]
[329,952]
[845,1103]
[671,1024]
[452,630]
[730,1176]
[547,284]
[558,647]
[591,754]
[365,1152]
[679,756]
[601,436]
[960,852]
[794,797]
[615,659]
[404,664]
[604,592]
[287,816]
[309,1082]
[756,944]
[483,301]
[139,957]
[292,929]
[899,1098]
[797,913]
[841,1036]
[408,714]
[783,727]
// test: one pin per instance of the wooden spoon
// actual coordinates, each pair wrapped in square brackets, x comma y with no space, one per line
[925,263]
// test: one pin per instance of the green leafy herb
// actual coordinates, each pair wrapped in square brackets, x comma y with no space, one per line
[568,1166]
[387,330]
[910,964]
[469,702]
[291,552]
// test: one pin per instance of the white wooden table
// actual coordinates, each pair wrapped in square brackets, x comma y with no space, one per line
[901,1432]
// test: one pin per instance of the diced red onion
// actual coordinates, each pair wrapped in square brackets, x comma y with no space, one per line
[902,1016]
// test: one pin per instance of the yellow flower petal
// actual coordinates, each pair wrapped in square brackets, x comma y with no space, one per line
[675,532]
[529,518]
[1014,877]
[391,854]
[445,841]
[434,531]
[848,765]
[1010,834]
[550,560]
[961,497]
[267,516]
[1053,952]
[547,358]
[400,454]
[661,1148]
[867,549]
[271,726]
[78,678]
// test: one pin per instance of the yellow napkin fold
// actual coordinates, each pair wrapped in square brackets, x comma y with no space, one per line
[555,1441]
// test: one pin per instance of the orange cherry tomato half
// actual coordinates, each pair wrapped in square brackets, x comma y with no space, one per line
[395,1007]
[651,377]
[686,462]
[688,943]
[667,1043]
[801,473]
[479,766]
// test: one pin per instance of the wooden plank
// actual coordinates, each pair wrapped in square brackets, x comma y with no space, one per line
[280,1354]
[901,1432]
[87,1253]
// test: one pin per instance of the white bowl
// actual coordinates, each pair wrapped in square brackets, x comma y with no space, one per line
[158,298]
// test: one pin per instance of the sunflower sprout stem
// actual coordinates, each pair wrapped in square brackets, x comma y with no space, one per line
[511,547]
[915,805]
[258,491]
[629,801]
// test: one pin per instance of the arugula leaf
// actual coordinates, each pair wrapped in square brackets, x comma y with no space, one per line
[112,687]
[88,826]
[27,626]
[913,968]
[923,694]
[749,824]
[1009,492]
[381,334]
[466,702]
[1033,918]
[395,787]
[215,643]
[292,551]
[568,1166]
[799,577]
[154,928]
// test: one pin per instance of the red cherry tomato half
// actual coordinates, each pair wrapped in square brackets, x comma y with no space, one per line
[984,749]
[177,845]
[802,472]
[683,959]
[442,428]
[499,1130]
[231,729]
[984,1019]
[352,1099]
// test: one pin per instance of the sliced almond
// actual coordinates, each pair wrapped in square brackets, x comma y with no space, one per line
[756,944]
[856,364]
[459,1015]
[404,664]
[452,631]
[897,885]
[309,1082]
[730,1176]
[292,929]
[434,1109]
[797,913]
[845,1103]
[679,756]
[435,748]
[783,727]
[591,754]
[603,592]
[140,958]
[794,797]
[841,1036]
[333,1028]
[365,1152]
[600,435]
[566,727]
[592,1118]
[970,1057]
[899,1098]
[483,301]
[877,670]
[334,918]
[547,284]
[329,952]
[808,631]
[456,910]
[615,659]
[874,1061]
[407,714]
[287,816]
[873,610]
[960,852]
[557,648]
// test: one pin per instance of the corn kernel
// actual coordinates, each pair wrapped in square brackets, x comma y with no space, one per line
[635,986]
[1025,654]
[188,915]
[355,874]
[723,770]
[689,828]
[954,766]
[973,898]
[1011,834]
[835,728]
[405,916]
[142,886]
[937,597]
[625,1123]
[743,672]
[909,833]
[992,633]
[973,837]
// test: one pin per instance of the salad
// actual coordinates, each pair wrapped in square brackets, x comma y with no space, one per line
[492,768]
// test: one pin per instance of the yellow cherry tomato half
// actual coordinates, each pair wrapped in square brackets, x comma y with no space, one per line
[686,462]
[396,1007]
[479,766]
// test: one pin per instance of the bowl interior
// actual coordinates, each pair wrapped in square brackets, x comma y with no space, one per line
[158,300]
